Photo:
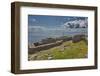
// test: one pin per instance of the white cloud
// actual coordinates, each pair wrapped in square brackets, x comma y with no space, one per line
[82,23]
[36,28]
[33,19]
[42,28]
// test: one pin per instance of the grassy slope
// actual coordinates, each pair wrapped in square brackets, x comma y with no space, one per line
[67,50]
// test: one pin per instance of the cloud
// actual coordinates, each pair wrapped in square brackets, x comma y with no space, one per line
[76,23]
[33,20]
[42,28]
[35,28]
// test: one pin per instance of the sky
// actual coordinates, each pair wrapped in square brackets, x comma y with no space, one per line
[44,21]
[43,26]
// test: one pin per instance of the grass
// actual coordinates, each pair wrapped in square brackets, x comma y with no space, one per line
[67,50]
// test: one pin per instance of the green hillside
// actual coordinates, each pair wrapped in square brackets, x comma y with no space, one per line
[68,50]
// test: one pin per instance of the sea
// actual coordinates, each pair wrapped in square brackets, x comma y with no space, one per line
[36,36]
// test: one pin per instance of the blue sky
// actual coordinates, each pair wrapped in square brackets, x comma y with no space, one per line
[50,21]
[43,26]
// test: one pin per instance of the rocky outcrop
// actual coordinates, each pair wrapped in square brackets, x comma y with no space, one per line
[44,47]
[78,38]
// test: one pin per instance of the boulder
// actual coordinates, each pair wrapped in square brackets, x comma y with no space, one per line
[78,38]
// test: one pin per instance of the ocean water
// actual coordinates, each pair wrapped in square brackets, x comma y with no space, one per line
[36,36]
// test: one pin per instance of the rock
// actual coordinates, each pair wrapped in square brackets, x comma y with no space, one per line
[78,38]
[49,58]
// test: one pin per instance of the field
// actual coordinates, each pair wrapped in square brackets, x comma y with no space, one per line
[67,50]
